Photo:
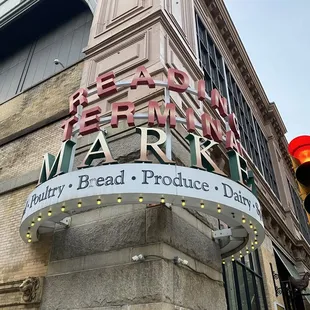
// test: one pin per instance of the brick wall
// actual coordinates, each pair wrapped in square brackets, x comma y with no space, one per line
[40,105]
[29,128]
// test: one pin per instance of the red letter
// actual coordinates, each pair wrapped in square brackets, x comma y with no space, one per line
[201,90]
[106,85]
[78,98]
[89,121]
[218,102]
[232,143]
[190,120]
[122,110]
[67,125]
[233,124]
[142,77]
[154,110]
[211,128]
[177,74]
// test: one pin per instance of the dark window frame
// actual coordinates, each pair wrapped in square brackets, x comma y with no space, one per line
[252,137]
[247,272]
[300,212]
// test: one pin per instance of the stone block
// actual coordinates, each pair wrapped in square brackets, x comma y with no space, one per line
[135,283]
[95,237]
[163,225]
[197,292]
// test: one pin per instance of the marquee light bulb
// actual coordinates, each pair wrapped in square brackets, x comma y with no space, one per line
[140,199]
[28,234]
[49,213]
[253,247]
[32,223]
[98,201]
[119,199]
[219,209]
[243,220]
[247,251]
[202,205]
[183,203]
[63,208]
[162,200]
[29,240]
[255,242]
[251,225]
[255,231]
[79,205]
[241,255]
[223,262]
[232,258]
[39,218]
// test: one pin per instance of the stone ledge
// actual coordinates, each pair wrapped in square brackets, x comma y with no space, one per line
[113,228]
[155,282]
[149,306]
[20,181]
[124,256]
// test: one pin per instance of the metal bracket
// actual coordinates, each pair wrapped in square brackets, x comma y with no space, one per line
[65,222]
[222,233]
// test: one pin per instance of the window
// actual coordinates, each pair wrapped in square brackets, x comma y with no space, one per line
[210,60]
[51,29]
[266,159]
[244,284]
[300,213]
[217,76]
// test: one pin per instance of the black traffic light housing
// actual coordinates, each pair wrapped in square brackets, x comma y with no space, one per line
[299,149]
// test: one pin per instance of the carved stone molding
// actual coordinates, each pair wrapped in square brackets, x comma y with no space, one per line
[21,292]
[31,289]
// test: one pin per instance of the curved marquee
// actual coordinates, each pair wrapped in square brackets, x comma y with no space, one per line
[199,190]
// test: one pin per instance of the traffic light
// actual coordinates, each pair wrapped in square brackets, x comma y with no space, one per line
[299,149]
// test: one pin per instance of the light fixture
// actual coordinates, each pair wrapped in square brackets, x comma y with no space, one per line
[223,262]
[202,205]
[232,258]
[183,203]
[28,234]
[251,225]
[253,247]
[29,240]
[63,208]
[243,219]
[79,205]
[162,200]
[49,213]
[247,251]
[241,254]
[255,241]
[39,218]
[32,223]
[119,199]
[255,231]
[219,210]
[140,199]
[98,201]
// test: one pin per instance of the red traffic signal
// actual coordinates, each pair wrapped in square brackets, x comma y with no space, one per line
[299,149]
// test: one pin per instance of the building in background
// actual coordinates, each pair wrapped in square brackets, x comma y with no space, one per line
[88,265]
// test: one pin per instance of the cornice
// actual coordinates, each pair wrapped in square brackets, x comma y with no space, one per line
[18,10]
[230,35]
[298,248]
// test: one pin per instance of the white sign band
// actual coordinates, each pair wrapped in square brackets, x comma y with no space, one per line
[200,190]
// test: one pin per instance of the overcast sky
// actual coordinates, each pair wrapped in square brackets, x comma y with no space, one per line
[276,35]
